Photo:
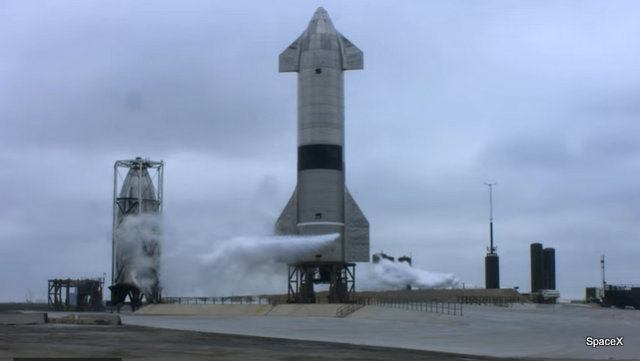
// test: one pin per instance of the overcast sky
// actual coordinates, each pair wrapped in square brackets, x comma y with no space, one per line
[542,97]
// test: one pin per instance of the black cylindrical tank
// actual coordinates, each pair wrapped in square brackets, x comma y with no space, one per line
[537,268]
[492,271]
[549,265]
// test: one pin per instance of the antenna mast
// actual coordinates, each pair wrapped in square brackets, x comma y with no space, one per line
[604,283]
[491,248]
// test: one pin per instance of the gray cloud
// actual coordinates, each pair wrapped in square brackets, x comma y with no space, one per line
[540,97]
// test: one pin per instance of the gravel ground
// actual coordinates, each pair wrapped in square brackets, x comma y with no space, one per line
[143,343]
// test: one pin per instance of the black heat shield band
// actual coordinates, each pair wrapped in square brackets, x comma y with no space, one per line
[320,156]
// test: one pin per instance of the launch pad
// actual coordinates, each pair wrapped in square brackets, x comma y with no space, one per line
[304,275]
[119,294]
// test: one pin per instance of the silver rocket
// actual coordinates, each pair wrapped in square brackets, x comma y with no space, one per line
[321,202]
[136,240]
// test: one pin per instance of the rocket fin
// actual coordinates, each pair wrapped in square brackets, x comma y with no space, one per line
[356,231]
[289,60]
[351,56]
[287,223]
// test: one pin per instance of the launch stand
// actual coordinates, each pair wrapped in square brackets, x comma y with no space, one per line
[75,295]
[119,294]
[339,275]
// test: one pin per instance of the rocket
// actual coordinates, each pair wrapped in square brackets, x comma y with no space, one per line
[135,242]
[321,203]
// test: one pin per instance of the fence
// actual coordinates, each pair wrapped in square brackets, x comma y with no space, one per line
[233,300]
[448,308]
[348,309]
[499,301]
[454,308]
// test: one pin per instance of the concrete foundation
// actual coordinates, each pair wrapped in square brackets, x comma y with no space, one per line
[216,310]
[26,318]
[522,330]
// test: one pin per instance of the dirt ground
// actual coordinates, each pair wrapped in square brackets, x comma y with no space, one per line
[142,343]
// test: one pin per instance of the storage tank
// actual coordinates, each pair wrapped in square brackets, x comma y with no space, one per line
[537,268]
[549,266]
[492,270]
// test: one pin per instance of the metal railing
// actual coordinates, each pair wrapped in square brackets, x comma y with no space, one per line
[499,301]
[347,309]
[233,300]
[448,308]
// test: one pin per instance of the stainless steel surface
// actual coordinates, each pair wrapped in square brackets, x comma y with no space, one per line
[321,203]
[133,195]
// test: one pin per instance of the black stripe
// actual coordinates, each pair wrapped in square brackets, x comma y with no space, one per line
[320,156]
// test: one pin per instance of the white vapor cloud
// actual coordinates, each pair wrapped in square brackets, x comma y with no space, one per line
[388,275]
[241,265]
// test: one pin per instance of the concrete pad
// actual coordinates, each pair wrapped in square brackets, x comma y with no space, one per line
[391,314]
[85,319]
[221,310]
[70,342]
[111,320]
[306,310]
[26,318]
[66,319]
[212,310]
[539,331]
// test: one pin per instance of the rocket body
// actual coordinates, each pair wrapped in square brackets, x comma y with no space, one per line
[136,233]
[321,203]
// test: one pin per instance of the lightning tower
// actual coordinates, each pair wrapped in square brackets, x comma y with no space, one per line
[491,260]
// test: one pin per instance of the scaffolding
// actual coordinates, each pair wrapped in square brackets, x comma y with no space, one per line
[75,294]
[339,275]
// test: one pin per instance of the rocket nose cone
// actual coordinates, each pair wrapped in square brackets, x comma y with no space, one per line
[320,22]
[320,14]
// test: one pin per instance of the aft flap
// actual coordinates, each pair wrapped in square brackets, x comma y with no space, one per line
[356,231]
[287,223]
[352,58]
[290,58]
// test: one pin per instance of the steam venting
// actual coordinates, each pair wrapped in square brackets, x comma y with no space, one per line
[388,275]
[197,265]
[138,251]
[246,265]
